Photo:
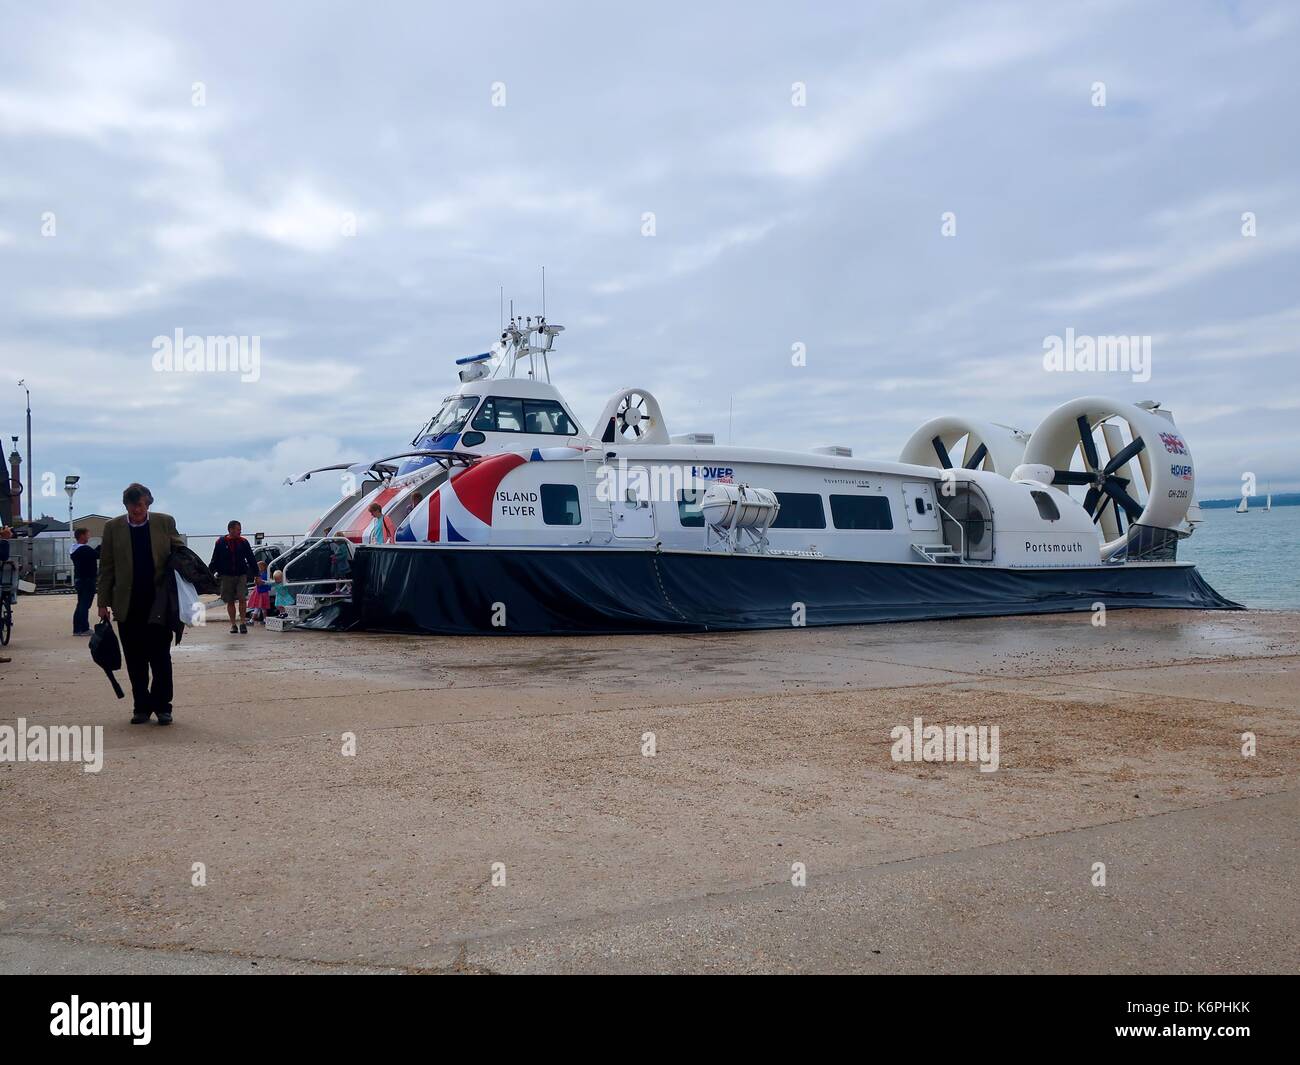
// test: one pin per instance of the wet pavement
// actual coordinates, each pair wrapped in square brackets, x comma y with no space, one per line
[524,759]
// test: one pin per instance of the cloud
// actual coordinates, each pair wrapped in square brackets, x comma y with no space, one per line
[286,458]
[845,118]
[689,258]
[776,224]
[1175,266]
[100,86]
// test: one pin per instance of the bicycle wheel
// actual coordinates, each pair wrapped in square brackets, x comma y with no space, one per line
[6,623]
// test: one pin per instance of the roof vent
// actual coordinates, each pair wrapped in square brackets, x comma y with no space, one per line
[692,438]
[839,451]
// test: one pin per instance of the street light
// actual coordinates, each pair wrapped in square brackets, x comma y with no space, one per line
[70,486]
[30,476]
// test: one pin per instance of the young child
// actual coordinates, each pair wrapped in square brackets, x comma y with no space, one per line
[259,600]
[284,595]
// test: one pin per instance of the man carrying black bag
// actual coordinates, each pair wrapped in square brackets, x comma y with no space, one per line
[132,567]
[106,653]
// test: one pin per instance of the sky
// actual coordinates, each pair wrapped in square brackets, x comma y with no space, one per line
[917,195]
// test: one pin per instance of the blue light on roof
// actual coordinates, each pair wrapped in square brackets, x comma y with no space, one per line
[474,358]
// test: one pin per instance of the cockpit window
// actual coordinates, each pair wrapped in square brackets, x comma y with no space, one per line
[451,417]
[542,416]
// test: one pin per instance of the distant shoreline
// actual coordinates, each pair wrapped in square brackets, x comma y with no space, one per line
[1284,499]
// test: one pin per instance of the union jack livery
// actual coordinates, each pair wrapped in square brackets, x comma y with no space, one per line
[1173,443]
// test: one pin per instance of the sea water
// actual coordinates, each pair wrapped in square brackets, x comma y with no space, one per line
[1251,558]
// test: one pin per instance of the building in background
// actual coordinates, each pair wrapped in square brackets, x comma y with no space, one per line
[11,490]
[93,524]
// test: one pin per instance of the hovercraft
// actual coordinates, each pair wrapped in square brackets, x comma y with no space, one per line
[511,518]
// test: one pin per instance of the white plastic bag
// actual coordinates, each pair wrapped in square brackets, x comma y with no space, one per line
[192,611]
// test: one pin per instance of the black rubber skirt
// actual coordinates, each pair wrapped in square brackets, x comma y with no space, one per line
[548,591]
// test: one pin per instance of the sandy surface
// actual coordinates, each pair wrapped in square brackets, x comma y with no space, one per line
[1119,745]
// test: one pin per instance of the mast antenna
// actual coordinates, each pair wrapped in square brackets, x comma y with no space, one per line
[543,292]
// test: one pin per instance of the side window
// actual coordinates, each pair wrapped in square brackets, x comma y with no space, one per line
[863,512]
[1046,506]
[510,415]
[560,504]
[800,510]
[547,416]
[688,508]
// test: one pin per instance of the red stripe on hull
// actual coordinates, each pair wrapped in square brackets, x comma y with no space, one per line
[435,518]
[478,484]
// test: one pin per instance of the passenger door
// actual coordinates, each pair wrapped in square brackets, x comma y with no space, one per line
[634,517]
[918,498]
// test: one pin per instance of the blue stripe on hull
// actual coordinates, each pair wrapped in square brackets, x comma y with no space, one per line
[456,591]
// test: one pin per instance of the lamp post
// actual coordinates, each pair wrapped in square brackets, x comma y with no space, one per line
[23,385]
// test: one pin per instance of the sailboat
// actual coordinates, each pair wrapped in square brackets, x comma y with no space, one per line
[1243,506]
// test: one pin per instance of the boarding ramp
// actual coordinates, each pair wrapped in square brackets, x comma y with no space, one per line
[319,573]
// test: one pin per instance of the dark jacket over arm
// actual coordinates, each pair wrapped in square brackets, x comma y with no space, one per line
[240,562]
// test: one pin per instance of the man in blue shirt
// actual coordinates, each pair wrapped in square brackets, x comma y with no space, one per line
[85,571]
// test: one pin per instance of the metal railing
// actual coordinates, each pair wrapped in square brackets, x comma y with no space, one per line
[961,549]
[315,566]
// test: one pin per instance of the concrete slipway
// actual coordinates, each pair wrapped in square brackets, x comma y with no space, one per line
[1119,745]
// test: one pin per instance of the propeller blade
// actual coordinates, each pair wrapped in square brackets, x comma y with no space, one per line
[1073,477]
[1105,502]
[1131,506]
[944,460]
[1090,500]
[1089,446]
[1122,459]
[973,463]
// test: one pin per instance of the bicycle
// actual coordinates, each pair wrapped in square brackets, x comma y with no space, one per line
[8,594]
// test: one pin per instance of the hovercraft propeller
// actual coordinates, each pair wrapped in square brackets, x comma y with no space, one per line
[974,462]
[953,442]
[630,414]
[1105,486]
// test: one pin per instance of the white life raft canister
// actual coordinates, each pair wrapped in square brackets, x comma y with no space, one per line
[738,506]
